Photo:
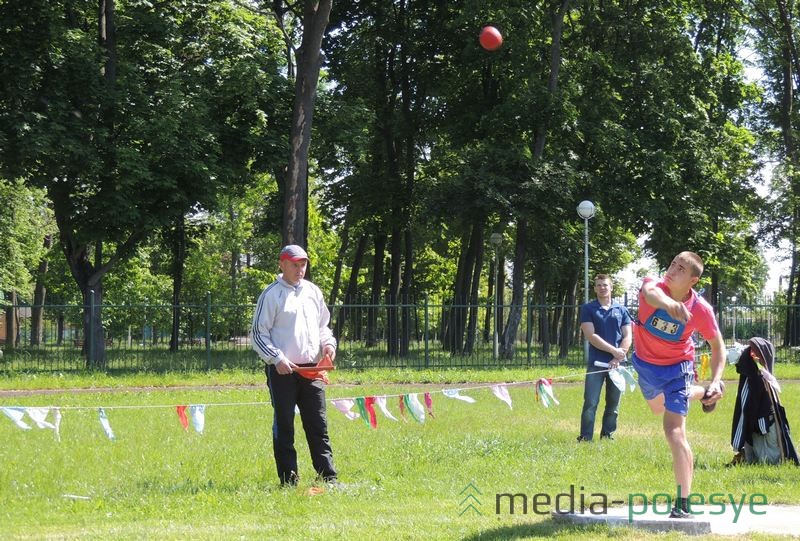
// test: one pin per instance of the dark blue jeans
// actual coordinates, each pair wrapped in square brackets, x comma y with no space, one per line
[289,390]
[591,399]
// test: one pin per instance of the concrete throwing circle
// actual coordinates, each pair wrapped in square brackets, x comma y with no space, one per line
[714,519]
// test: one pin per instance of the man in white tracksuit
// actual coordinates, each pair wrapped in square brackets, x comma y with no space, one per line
[290,330]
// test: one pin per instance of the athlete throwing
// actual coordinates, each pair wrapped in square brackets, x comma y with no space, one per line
[669,312]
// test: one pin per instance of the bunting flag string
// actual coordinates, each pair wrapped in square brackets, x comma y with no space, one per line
[365,404]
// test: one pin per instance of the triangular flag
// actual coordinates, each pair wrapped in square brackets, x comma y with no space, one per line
[16,415]
[627,374]
[198,415]
[456,393]
[369,404]
[367,410]
[617,379]
[182,417]
[402,405]
[345,405]
[501,392]
[57,422]
[544,390]
[105,424]
[39,416]
[362,410]
[415,407]
[429,404]
[381,402]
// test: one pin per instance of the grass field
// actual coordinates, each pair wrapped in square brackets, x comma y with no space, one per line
[402,481]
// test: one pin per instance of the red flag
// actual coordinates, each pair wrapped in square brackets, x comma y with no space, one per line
[429,403]
[182,416]
[402,406]
[369,405]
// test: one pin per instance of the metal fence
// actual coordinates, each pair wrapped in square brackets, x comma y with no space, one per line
[418,335]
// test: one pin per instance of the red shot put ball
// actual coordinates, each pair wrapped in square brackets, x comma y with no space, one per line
[491,39]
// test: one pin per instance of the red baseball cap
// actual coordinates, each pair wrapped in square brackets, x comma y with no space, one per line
[293,252]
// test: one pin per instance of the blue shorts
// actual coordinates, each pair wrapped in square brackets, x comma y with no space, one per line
[673,381]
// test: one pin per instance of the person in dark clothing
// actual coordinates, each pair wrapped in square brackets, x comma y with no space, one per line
[760,431]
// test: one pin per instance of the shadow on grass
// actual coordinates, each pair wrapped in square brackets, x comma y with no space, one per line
[545,529]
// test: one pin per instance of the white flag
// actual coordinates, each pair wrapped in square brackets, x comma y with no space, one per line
[57,422]
[501,392]
[345,405]
[16,415]
[106,425]
[617,379]
[456,393]
[415,407]
[39,416]
[198,415]
[381,402]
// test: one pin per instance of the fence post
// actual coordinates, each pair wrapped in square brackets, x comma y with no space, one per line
[426,332]
[90,352]
[208,330]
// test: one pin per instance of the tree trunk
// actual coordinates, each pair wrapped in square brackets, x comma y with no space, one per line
[375,294]
[178,260]
[60,329]
[309,60]
[569,321]
[475,281]
[352,286]
[408,275]
[39,297]
[544,320]
[454,332]
[11,320]
[337,276]
[508,341]
[392,323]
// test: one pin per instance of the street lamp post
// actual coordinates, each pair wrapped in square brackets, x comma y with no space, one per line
[496,239]
[586,211]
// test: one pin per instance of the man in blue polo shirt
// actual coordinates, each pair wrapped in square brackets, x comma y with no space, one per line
[607,327]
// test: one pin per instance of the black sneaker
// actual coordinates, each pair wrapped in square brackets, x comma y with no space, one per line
[677,512]
[606,437]
[291,481]
[581,438]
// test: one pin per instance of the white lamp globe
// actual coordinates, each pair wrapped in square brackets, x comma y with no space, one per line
[586,209]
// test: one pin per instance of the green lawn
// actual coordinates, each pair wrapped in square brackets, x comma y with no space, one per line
[403,480]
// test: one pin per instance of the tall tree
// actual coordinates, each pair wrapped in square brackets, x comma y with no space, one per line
[129,117]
